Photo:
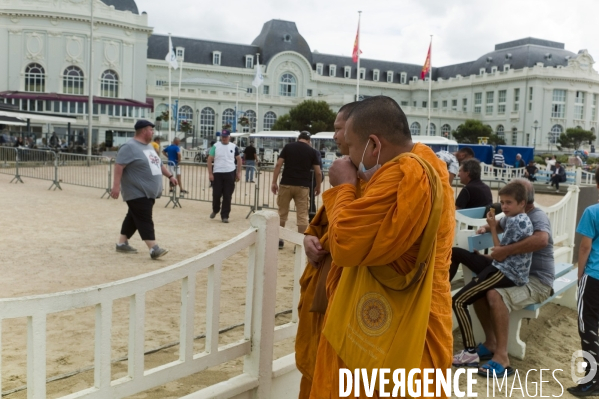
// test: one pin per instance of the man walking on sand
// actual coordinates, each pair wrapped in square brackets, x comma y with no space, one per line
[223,172]
[138,173]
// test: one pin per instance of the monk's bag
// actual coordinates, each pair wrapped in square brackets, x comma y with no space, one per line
[379,318]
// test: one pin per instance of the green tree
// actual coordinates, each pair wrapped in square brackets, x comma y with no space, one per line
[471,130]
[313,116]
[574,137]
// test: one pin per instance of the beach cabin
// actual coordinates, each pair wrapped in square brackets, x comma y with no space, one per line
[269,144]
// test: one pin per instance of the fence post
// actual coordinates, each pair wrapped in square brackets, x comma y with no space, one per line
[56,181]
[578,176]
[17,176]
[260,321]
[109,185]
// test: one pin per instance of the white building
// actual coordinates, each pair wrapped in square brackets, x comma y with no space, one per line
[45,48]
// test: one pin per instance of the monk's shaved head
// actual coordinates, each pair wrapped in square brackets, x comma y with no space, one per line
[381,116]
[346,110]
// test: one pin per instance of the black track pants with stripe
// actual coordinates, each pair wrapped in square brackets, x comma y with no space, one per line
[588,315]
[476,289]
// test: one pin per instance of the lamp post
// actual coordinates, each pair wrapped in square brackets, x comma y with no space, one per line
[535,126]
[236,105]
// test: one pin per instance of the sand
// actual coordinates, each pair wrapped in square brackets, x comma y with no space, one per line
[62,240]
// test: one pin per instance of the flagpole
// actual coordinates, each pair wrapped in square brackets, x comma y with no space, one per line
[358,77]
[257,89]
[90,98]
[170,106]
[430,82]
[179,96]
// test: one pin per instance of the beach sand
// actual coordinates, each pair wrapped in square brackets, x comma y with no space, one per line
[62,240]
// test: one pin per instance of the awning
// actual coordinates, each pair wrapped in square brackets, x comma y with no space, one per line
[6,120]
[72,98]
[38,117]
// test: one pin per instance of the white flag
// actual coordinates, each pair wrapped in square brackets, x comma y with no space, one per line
[171,57]
[258,79]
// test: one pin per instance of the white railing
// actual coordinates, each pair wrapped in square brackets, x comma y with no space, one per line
[490,172]
[587,178]
[261,376]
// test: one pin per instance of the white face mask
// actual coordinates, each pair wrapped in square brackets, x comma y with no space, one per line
[364,174]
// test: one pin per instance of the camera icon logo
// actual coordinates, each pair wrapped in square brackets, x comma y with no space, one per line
[578,366]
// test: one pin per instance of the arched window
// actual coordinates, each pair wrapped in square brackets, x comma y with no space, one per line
[109,84]
[72,80]
[251,115]
[501,132]
[35,78]
[556,130]
[207,123]
[445,130]
[432,130]
[415,129]
[288,85]
[269,120]
[185,114]
[229,117]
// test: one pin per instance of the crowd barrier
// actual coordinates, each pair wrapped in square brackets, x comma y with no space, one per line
[262,377]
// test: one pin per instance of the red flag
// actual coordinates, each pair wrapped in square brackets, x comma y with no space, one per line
[427,64]
[356,46]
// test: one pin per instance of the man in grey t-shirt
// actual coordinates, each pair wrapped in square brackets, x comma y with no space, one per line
[138,173]
[493,312]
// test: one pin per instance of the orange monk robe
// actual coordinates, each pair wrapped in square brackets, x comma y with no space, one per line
[354,234]
[310,323]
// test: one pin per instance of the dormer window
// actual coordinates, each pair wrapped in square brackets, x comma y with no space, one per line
[249,61]
[481,71]
[180,52]
[347,72]
[216,57]
[375,75]
[414,78]
[389,76]
[493,69]
[319,68]
[362,73]
[332,70]
[287,38]
[506,67]
[548,56]
[403,78]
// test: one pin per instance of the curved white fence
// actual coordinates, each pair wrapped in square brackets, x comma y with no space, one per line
[262,377]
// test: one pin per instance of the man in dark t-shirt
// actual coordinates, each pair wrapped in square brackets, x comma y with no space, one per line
[249,155]
[475,193]
[299,159]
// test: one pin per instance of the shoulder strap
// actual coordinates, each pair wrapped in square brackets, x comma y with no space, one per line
[389,277]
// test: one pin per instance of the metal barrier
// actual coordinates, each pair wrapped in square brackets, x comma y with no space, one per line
[37,164]
[87,171]
[8,162]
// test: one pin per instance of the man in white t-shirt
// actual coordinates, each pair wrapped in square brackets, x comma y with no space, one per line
[223,172]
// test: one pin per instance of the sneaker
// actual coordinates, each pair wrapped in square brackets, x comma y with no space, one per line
[125,248]
[212,215]
[225,220]
[465,359]
[281,244]
[557,191]
[251,181]
[157,252]
[183,191]
[591,388]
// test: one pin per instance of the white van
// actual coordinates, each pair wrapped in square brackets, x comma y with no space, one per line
[437,143]
[269,144]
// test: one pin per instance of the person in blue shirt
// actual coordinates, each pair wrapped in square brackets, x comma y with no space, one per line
[173,153]
[588,300]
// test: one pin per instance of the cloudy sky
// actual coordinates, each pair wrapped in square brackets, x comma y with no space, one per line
[391,30]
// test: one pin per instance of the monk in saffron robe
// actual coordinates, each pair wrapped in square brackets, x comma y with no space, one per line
[385,227]
[313,298]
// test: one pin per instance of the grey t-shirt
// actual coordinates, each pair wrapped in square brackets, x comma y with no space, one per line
[142,176]
[543,265]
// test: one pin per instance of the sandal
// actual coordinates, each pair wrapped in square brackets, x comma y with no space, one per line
[483,352]
[493,367]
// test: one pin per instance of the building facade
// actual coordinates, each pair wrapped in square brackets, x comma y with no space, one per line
[528,90]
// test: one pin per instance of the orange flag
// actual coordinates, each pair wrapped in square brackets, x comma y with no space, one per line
[356,51]
[427,64]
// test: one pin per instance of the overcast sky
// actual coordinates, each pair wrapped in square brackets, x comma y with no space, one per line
[391,30]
